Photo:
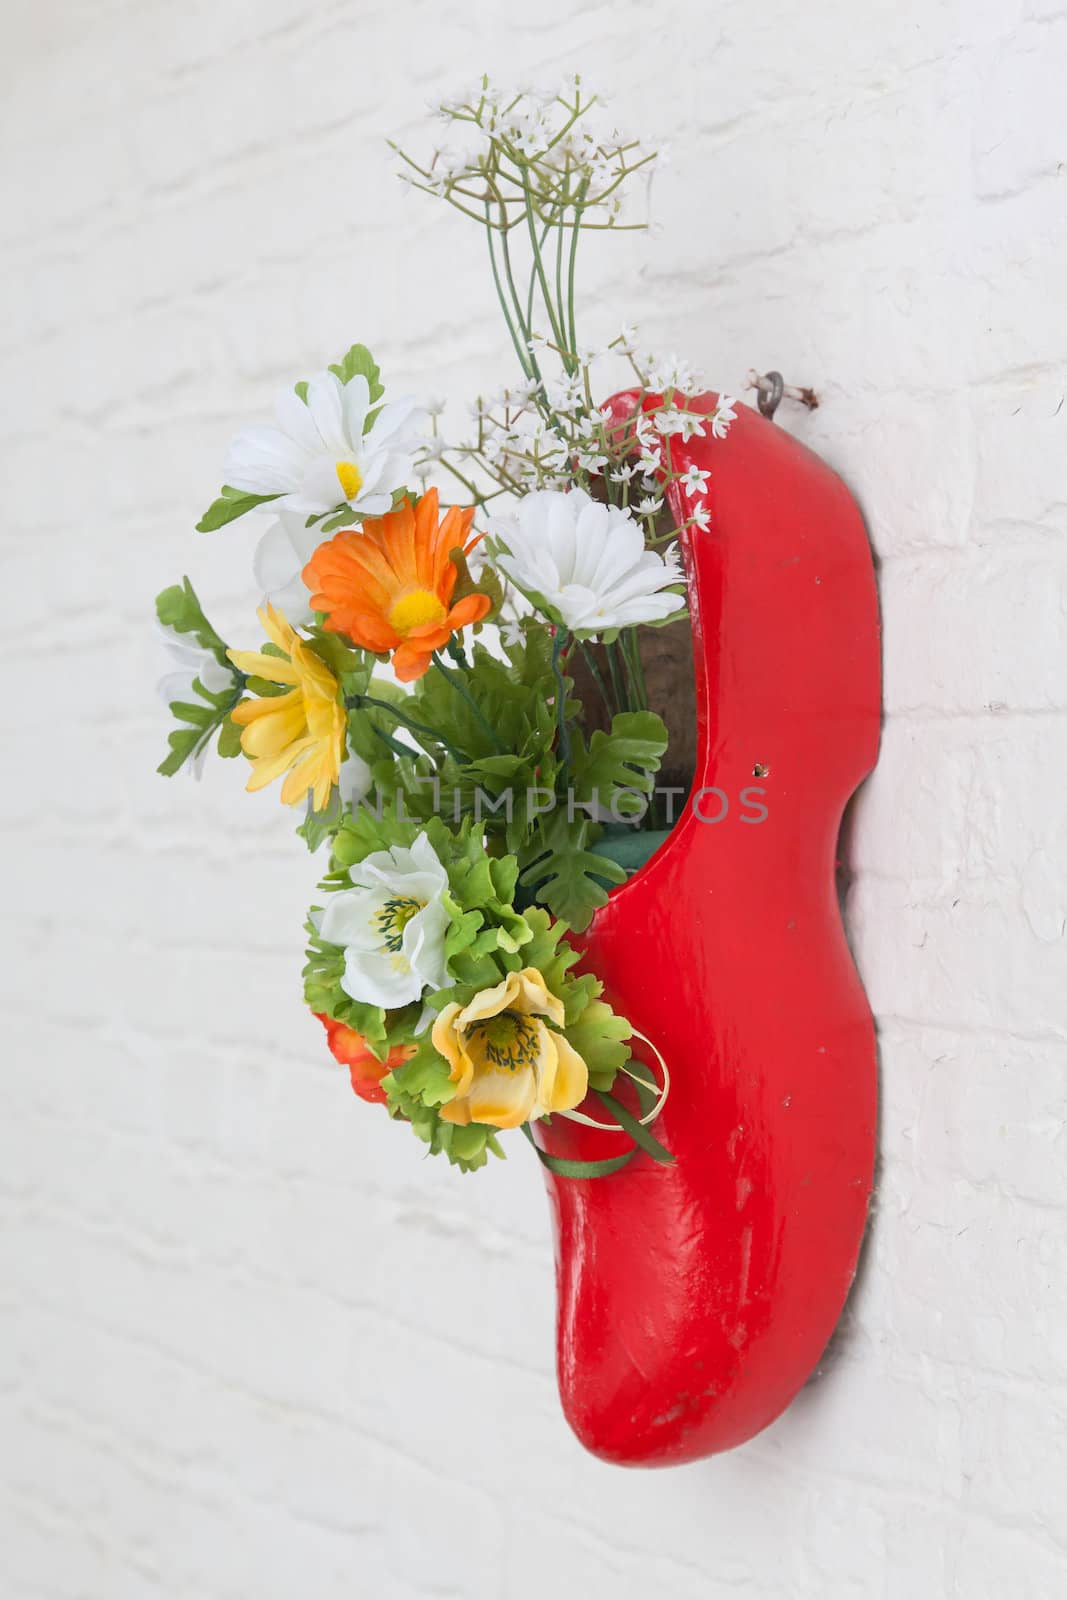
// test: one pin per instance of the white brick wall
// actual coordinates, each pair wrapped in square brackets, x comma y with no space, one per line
[252,1344]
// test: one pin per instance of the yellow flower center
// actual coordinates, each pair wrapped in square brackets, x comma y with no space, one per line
[390,920]
[508,1041]
[415,610]
[350,478]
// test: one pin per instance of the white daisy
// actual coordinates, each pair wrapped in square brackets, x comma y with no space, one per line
[322,455]
[281,556]
[391,925]
[584,563]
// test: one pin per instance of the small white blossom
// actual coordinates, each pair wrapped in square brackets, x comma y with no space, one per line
[700,517]
[649,506]
[693,481]
[724,415]
[691,425]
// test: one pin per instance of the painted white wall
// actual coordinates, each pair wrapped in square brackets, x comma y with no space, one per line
[252,1344]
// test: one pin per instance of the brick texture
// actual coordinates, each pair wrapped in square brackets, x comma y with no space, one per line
[251,1344]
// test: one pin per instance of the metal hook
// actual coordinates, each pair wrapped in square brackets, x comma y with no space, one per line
[770,389]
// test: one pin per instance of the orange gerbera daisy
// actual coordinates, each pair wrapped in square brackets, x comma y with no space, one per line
[388,585]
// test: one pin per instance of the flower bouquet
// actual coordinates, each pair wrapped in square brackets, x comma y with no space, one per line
[450,685]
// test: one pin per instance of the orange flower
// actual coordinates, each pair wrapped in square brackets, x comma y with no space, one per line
[366,1071]
[388,585]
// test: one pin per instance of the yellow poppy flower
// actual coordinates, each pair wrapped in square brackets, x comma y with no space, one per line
[507,1064]
[301,733]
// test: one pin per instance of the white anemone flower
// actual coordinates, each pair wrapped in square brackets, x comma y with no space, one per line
[391,925]
[321,454]
[585,562]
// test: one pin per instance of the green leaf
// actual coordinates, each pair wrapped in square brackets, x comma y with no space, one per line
[599,1037]
[563,874]
[616,769]
[229,744]
[356,360]
[231,504]
[179,608]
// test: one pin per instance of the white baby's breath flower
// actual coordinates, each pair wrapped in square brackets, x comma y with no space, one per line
[327,452]
[391,925]
[583,563]
[694,481]
[691,425]
[433,448]
[668,421]
[724,415]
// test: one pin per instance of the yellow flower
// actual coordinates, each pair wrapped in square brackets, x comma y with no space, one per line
[302,732]
[507,1065]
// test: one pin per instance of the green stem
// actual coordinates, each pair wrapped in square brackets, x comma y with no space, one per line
[522,353]
[579,207]
[612,653]
[542,279]
[357,702]
[635,667]
[563,732]
[464,693]
[597,677]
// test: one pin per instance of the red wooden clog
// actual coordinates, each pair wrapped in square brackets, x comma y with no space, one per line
[695,1299]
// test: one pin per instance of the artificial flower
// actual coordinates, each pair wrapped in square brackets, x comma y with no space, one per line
[322,454]
[301,733]
[507,1065]
[694,481]
[354,780]
[584,563]
[352,1051]
[192,664]
[280,557]
[723,415]
[191,661]
[391,925]
[388,585]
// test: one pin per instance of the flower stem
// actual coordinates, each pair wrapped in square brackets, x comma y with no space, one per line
[597,677]
[357,702]
[564,737]
[464,693]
